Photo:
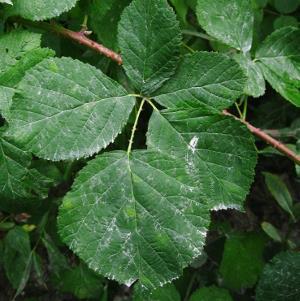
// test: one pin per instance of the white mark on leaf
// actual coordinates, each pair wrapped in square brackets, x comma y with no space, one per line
[193,144]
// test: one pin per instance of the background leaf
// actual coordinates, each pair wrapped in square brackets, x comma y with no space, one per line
[81,282]
[242,260]
[280,279]
[279,59]
[280,192]
[17,257]
[103,12]
[286,6]
[211,293]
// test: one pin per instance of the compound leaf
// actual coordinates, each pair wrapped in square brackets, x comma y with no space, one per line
[149,39]
[231,22]
[203,79]
[280,279]
[145,216]
[66,109]
[279,59]
[37,10]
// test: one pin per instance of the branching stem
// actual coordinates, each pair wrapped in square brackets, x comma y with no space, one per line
[270,140]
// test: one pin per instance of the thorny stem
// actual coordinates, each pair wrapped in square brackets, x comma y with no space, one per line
[267,138]
[78,37]
[82,39]
[135,126]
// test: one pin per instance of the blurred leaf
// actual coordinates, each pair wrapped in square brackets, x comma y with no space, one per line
[271,231]
[17,257]
[283,21]
[286,6]
[82,282]
[5,226]
[242,260]
[57,261]
[181,8]
[104,14]
[259,3]
[211,293]
[280,279]
[280,192]
[38,268]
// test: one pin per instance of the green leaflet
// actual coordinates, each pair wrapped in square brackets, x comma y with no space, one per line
[217,149]
[20,50]
[149,39]
[135,218]
[38,10]
[280,279]
[279,60]
[67,109]
[147,214]
[103,12]
[204,79]
[255,85]
[231,22]
[211,293]
[242,260]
